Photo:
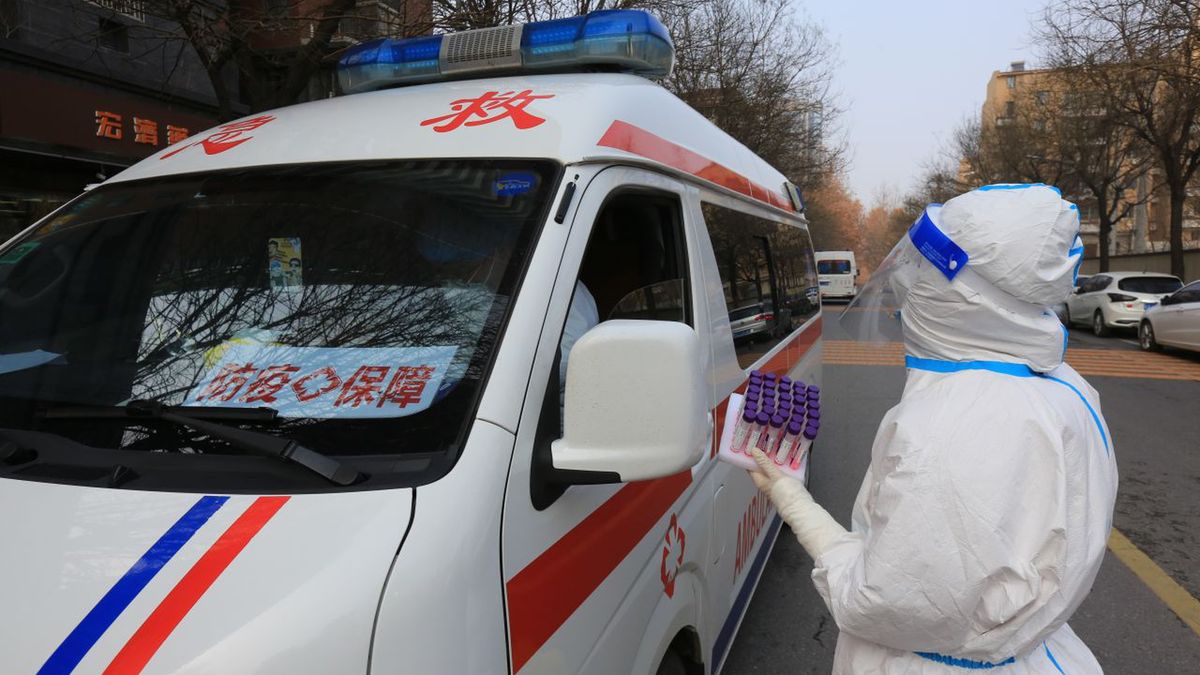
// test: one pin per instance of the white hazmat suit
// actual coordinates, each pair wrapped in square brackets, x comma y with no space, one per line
[984,515]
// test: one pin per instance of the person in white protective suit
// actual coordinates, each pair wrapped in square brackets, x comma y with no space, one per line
[983,518]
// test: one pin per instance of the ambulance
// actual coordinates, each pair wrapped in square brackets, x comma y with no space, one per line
[838,272]
[423,378]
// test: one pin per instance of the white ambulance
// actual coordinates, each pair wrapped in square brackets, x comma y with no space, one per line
[288,396]
[838,273]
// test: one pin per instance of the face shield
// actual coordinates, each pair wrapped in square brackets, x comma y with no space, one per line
[874,314]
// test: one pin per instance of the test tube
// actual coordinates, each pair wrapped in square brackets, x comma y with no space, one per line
[785,382]
[814,389]
[785,407]
[806,441]
[774,432]
[791,438]
[785,396]
[756,374]
[742,431]
[758,434]
[813,405]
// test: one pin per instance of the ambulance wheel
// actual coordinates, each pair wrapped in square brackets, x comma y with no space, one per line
[672,664]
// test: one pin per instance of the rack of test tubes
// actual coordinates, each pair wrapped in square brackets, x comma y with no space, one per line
[777,415]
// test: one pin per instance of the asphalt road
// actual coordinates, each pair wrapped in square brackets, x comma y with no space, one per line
[1156,432]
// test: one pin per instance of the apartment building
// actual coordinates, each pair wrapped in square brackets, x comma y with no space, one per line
[1146,227]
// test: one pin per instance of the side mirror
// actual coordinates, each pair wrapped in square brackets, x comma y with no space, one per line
[635,404]
[1167,300]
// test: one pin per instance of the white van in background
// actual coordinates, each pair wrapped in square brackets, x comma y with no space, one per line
[287,396]
[838,273]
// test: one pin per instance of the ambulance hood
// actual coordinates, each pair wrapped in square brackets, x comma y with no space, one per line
[102,580]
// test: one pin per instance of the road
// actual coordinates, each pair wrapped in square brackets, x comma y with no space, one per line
[1150,404]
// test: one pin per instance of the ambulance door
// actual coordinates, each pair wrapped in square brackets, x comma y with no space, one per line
[600,578]
[750,257]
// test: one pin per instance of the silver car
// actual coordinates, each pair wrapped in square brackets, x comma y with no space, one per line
[1175,322]
[752,322]
[1117,299]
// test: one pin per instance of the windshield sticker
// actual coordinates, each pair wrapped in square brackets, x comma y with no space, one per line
[284,262]
[14,255]
[226,137]
[492,106]
[325,382]
[515,183]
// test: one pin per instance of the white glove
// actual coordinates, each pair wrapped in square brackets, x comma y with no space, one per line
[813,526]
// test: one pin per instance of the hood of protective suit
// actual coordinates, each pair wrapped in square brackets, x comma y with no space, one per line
[1023,248]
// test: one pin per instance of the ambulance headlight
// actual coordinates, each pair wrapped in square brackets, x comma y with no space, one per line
[630,41]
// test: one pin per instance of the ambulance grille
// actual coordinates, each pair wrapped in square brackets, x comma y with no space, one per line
[483,48]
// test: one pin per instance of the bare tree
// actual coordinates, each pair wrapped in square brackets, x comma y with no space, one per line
[1061,134]
[1143,58]
[765,78]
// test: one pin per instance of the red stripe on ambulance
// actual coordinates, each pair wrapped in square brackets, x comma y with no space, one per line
[633,139]
[543,595]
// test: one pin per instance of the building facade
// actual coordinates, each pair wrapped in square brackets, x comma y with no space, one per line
[1145,228]
[92,86]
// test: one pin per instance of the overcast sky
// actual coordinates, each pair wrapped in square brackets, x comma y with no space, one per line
[910,71]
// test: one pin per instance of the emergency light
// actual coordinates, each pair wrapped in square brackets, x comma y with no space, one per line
[624,40]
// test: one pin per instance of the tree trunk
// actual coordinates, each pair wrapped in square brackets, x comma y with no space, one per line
[1105,235]
[1178,196]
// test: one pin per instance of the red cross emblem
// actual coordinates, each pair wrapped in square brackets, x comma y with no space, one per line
[672,556]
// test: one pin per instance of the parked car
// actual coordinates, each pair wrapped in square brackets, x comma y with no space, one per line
[1060,310]
[752,322]
[1175,322]
[1117,299]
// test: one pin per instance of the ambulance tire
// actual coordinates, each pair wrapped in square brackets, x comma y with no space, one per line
[672,664]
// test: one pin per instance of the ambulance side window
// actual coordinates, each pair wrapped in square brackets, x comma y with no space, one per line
[769,277]
[634,267]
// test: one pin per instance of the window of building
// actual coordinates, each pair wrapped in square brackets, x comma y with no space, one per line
[134,9]
[769,277]
[1010,108]
[1042,97]
[113,35]
[1012,82]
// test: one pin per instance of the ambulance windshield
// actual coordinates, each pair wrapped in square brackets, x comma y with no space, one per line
[362,302]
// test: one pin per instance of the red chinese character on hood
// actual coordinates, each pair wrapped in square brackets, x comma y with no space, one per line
[226,137]
[491,107]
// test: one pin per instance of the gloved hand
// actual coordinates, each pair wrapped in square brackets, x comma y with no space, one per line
[813,525]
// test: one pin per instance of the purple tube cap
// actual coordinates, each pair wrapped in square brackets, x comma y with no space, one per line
[814,389]
[777,421]
[762,418]
[810,432]
[770,377]
[749,415]
[795,426]
[785,381]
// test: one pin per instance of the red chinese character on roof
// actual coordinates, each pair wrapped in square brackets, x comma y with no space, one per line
[269,383]
[175,134]
[491,107]
[362,386]
[108,125]
[145,131]
[227,136]
[407,386]
[228,382]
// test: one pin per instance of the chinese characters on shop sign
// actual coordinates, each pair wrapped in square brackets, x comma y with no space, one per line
[111,125]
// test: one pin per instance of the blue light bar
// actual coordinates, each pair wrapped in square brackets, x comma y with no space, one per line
[630,41]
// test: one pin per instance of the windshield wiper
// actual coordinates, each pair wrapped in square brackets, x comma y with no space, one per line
[254,441]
